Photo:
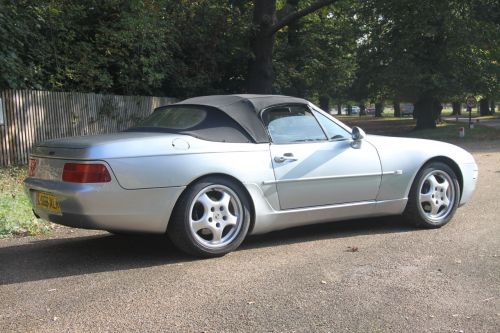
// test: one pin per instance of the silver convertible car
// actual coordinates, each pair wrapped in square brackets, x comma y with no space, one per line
[208,171]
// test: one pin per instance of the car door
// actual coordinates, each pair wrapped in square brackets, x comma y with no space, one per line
[315,161]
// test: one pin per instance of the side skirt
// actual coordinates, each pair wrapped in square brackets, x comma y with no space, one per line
[268,219]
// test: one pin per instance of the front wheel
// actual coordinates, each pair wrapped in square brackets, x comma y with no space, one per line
[211,218]
[434,196]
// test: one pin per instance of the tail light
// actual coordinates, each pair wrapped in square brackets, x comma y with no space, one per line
[85,173]
[32,168]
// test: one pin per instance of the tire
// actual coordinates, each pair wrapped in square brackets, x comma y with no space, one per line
[434,196]
[211,218]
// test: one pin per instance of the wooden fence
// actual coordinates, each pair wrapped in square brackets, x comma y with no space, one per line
[28,117]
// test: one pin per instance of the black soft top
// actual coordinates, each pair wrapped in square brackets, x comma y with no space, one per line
[244,109]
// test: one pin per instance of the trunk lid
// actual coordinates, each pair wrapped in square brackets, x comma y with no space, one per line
[117,145]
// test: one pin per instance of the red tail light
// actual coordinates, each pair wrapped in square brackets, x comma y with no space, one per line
[32,168]
[85,173]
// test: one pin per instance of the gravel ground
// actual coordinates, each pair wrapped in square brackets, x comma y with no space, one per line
[372,275]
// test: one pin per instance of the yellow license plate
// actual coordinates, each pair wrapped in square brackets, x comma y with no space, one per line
[48,202]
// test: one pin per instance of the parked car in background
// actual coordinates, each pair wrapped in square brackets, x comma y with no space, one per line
[354,110]
[406,109]
[208,171]
[370,110]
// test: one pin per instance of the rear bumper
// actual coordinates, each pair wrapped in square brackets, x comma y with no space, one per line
[107,206]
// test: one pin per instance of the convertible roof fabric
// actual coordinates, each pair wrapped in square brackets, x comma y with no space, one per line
[244,109]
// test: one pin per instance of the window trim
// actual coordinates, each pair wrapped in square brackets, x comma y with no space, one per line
[329,116]
[313,110]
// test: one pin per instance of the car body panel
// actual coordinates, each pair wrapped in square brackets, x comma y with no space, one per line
[330,172]
[405,157]
[105,206]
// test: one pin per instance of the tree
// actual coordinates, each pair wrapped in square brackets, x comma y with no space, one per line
[315,56]
[426,51]
[266,25]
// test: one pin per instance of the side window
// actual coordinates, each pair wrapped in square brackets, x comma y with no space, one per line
[290,124]
[333,131]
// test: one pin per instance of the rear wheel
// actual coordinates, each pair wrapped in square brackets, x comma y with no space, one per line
[434,196]
[211,218]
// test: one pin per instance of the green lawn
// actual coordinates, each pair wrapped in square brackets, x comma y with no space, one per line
[16,217]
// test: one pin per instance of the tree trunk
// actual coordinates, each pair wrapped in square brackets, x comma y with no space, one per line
[492,106]
[379,109]
[349,109]
[457,108]
[339,110]
[397,109]
[260,68]
[324,102]
[484,107]
[425,112]
[438,108]
[362,109]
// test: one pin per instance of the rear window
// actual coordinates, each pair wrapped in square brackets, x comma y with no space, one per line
[202,122]
[178,118]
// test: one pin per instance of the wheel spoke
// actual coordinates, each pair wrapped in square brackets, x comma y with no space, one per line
[426,198]
[217,233]
[206,202]
[434,208]
[201,224]
[432,179]
[230,220]
[445,185]
[224,201]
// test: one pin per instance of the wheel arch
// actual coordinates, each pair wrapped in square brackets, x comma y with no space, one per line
[233,179]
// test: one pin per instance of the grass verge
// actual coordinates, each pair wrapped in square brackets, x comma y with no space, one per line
[449,131]
[445,131]
[16,217]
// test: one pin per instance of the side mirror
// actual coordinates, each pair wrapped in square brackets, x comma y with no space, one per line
[357,133]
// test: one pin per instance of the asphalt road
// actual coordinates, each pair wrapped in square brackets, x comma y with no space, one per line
[309,279]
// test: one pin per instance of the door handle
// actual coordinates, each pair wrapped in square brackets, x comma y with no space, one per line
[285,157]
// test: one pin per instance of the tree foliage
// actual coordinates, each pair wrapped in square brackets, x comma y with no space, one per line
[428,51]
[345,50]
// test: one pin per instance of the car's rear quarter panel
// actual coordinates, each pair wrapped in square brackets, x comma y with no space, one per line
[144,189]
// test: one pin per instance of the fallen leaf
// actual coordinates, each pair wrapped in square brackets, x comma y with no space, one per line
[352,249]
[323,282]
